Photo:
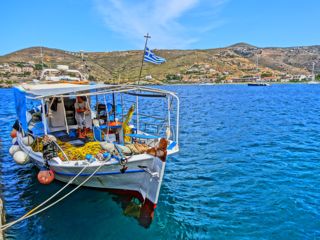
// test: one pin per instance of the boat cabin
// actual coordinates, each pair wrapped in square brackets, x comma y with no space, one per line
[79,114]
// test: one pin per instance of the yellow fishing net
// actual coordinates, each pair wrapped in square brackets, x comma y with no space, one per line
[72,152]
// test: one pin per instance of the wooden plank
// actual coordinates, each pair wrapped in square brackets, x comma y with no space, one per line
[2,218]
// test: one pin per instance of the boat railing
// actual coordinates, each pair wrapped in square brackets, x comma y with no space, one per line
[145,120]
[157,129]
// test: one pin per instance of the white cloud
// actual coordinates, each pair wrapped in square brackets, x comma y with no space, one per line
[171,23]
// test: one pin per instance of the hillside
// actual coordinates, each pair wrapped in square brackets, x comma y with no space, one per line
[210,65]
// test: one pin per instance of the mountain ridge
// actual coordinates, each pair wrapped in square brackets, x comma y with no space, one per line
[191,65]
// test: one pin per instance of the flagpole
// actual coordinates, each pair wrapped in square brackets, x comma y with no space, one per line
[144,51]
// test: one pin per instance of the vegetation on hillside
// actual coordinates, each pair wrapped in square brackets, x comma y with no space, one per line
[211,65]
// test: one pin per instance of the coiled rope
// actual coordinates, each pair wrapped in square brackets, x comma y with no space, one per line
[32,211]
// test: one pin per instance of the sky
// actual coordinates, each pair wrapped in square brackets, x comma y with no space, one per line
[112,25]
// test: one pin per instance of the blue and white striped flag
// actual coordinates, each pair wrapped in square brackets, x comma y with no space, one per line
[149,56]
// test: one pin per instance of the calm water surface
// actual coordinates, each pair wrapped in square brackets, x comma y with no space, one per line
[249,168]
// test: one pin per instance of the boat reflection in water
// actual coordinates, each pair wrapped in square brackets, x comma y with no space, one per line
[134,206]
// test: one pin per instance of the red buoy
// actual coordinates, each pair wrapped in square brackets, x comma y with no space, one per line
[45,176]
[13,133]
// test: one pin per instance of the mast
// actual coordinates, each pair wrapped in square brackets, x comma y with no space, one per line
[41,55]
[114,108]
[144,51]
[313,75]
[257,68]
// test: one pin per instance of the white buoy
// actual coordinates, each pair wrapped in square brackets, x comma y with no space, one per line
[14,140]
[20,157]
[27,140]
[13,149]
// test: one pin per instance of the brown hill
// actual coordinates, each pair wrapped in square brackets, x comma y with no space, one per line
[237,60]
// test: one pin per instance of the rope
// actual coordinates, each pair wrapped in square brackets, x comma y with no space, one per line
[32,213]
[64,154]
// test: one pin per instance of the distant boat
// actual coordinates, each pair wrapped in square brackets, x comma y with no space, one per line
[313,81]
[258,82]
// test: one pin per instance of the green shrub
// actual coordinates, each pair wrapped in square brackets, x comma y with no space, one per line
[266,74]
[170,77]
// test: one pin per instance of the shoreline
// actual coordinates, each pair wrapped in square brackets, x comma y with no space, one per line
[194,84]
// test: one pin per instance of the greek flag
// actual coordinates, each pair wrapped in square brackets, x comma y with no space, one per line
[149,56]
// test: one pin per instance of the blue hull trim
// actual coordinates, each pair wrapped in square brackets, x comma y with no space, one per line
[98,174]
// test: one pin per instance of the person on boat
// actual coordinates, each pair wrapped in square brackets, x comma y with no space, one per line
[82,115]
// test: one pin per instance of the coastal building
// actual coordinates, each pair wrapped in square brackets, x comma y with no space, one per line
[15,69]
[193,70]
[269,79]
[148,77]
[4,68]
[62,67]
[244,79]
[285,80]
[299,77]
[27,69]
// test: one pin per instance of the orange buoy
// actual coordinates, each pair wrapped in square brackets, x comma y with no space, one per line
[13,133]
[46,176]
[112,124]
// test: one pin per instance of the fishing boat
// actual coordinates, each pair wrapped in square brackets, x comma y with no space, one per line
[313,80]
[61,74]
[128,132]
[258,82]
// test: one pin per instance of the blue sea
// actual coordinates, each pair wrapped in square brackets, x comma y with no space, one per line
[248,168]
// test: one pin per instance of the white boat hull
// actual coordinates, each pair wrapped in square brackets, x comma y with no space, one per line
[143,175]
[110,177]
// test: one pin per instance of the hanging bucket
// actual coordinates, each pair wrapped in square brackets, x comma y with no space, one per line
[45,176]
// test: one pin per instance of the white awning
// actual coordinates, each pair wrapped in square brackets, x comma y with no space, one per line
[38,91]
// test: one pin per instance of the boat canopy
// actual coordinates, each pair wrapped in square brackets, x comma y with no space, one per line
[40,91]
[44,92]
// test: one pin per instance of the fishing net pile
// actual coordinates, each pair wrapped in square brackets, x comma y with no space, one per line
[71,151]
[93,148]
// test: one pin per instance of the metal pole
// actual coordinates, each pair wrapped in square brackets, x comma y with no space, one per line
[65,115]
[44,119]
[122,107]
[313,75]
[108,117]
[114,107]
[41,54]
[137,113]
[144,51]
[169,119]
